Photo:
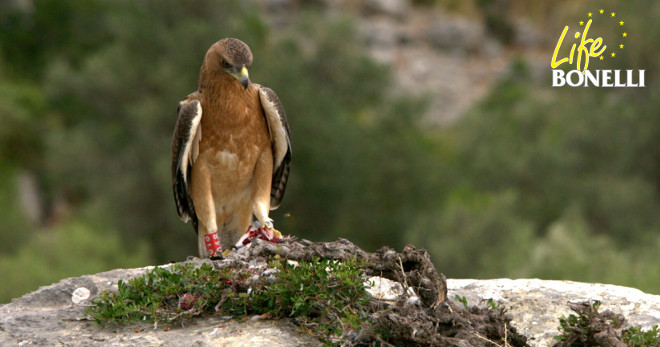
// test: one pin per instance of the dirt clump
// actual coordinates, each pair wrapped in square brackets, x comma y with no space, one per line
[432,320]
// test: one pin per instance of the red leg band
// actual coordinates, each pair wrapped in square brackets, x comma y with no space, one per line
[212,243]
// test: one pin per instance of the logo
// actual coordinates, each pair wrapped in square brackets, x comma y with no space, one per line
[584,48]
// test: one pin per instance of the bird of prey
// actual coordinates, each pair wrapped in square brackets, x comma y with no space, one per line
[231,150]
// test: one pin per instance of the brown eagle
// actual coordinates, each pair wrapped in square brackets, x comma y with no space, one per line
[231,150]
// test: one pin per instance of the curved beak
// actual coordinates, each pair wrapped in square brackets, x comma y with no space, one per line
[244,77]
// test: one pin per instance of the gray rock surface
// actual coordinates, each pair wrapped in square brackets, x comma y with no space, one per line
[448,59]
[50,316]
[445,58]
[535,305]
[394,8]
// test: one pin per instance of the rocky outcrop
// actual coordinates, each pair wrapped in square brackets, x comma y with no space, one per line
[447,58]
[54,315]
[535,305]
[50,316]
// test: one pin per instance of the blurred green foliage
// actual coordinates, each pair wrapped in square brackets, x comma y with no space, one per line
[559,183]
[72,249]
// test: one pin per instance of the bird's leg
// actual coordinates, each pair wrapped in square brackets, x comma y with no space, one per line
[261,186]
[260,211]
[263,176]
[208,243]
[207,234]
[212,245]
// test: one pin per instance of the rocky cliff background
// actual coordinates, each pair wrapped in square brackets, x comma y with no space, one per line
[423,122]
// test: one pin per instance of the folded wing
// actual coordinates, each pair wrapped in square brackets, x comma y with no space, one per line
[185,148]
[281,142]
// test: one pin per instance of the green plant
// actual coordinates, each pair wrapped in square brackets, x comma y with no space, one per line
[576,328]
[325,294]
[163,295]
[326,297]
[589,327]
[73,248]
[635,337]
[493,305]
[462,300]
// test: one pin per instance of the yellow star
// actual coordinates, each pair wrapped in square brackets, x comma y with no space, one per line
[601,57]
[581,22]
[613,54]
[601,11]
[589,14]
[613,14]
[621,46]
[625,34]
[621,23]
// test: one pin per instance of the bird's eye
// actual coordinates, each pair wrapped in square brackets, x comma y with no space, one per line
[225,64]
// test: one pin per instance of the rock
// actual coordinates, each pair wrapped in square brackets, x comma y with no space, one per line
[275,7]
[387,290]
[380,33]
[393,8]
[50,317]
[453,82]
[450,60]
[55,315]
[536,305]
[526,35]
[457,34]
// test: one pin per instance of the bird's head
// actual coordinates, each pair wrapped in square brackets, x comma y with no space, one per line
[232,57]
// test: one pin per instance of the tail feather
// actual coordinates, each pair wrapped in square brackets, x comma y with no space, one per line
[280,179]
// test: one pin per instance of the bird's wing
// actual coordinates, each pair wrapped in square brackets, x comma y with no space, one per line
[185,148]
[281,142]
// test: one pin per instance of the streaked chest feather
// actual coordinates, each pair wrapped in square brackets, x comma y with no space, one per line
[235,124]
[234,135]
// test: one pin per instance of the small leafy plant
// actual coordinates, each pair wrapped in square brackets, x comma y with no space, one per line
[462,300]
[493,305]
[589,328]
[165,295]
[635,337]
[576,329]
[324,293]
[324,296]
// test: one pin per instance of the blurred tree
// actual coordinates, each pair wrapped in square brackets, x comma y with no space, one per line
[73,249]
[582,167]
[476,235]
[20,154]
[570,249]
[590,149]
[33,32]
